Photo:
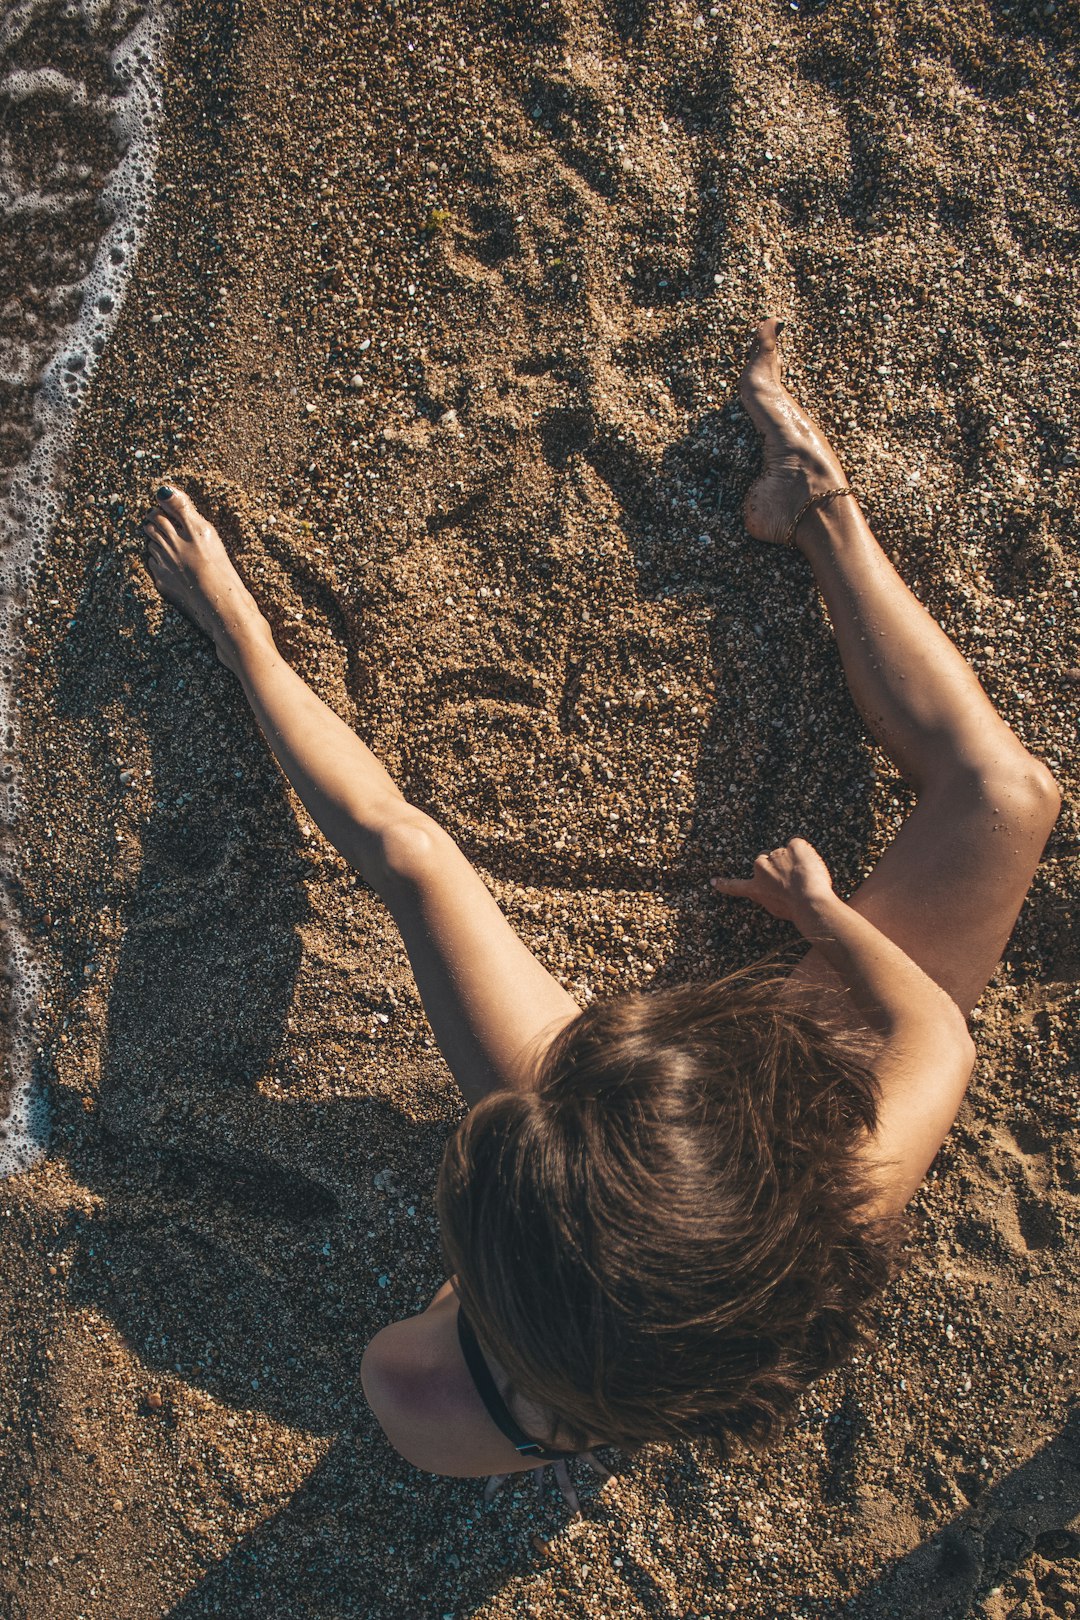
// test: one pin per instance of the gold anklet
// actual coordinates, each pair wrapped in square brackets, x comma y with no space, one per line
[815,500]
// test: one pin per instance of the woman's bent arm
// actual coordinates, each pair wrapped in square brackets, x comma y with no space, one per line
[898,1000]
[927,1054]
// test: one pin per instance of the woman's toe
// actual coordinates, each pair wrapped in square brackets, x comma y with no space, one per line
[166,528]
[767,333]
[156,536]
[178,506]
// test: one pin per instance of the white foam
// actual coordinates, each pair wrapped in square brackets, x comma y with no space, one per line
[37,81]
[29,510]
[40,202]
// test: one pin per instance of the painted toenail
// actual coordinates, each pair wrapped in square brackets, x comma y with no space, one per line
[165,493]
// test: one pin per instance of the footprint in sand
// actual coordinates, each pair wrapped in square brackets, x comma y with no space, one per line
[1034,1214]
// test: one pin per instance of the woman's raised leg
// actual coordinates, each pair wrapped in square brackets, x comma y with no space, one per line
[950,886]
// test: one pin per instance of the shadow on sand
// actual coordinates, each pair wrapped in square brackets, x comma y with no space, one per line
[1029,1511]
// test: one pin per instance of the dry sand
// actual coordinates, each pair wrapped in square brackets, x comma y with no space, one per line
[441,310]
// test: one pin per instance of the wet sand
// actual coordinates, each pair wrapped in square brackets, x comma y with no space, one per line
[441,313]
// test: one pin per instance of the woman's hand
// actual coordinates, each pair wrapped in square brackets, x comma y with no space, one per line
[789,882]
[562,1479]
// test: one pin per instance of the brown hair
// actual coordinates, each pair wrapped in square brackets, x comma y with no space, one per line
[671,1234]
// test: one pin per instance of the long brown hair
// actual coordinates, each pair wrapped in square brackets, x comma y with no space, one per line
[670,1235]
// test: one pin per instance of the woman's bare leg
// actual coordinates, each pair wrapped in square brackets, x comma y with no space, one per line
[950,886]
[918,696]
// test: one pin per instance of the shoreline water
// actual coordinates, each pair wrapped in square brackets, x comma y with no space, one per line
[31,499]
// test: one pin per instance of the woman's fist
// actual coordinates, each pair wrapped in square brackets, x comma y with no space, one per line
[786,881]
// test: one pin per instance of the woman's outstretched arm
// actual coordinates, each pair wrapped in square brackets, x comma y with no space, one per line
[349,795]
[490,1003]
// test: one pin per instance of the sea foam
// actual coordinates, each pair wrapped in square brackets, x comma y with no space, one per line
[77,163]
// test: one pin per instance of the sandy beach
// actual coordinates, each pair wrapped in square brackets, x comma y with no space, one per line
[440,312]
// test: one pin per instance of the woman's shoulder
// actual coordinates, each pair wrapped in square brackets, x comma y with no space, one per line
[418,1386]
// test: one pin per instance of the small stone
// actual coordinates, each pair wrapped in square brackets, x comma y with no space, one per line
[153,1400]
[118,1506]
[356,381]
[310,408]
[541,1546]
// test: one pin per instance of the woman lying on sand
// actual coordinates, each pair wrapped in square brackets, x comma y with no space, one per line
[668,1213]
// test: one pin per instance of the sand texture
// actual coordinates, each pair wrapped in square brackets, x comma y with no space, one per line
[441,312]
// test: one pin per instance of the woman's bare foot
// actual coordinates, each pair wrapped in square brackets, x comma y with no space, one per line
[799,462]
[191,568]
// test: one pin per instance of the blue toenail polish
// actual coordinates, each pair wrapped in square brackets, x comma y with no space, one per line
[165,493]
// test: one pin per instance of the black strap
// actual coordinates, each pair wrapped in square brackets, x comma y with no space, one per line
[497,1409]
